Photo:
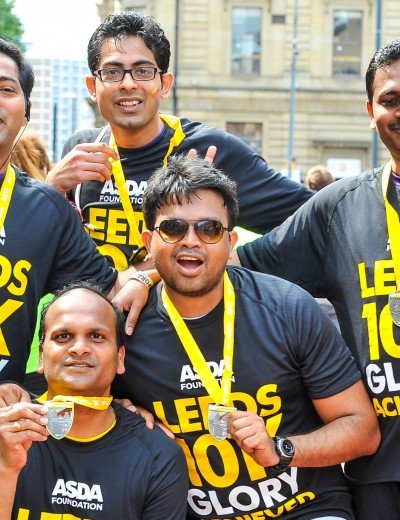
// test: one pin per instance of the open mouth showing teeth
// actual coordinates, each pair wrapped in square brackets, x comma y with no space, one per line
[129,103]
[190,263]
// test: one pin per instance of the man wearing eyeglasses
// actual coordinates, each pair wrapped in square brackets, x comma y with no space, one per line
[128,56]
[241,366]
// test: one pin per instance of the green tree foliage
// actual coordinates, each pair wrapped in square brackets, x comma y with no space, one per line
[10,25]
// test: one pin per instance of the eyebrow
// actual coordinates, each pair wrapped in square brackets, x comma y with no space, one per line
[120,65]
[9,78]
[390,92]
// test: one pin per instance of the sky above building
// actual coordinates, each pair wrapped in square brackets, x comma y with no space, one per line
[57,28]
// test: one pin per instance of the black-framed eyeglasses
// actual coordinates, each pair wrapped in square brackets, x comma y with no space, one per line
[174,229]
[115,75]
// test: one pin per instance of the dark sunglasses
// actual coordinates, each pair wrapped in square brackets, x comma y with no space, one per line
[174,229]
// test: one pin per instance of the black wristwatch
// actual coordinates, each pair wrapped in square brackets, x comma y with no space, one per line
[285,449]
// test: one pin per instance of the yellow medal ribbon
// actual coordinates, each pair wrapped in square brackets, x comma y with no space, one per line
[97,403]
[393,224]
[118,173]
[220,394]
[6,192]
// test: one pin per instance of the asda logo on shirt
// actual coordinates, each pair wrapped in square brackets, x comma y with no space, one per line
[190,379]
[134,189]
[77,490]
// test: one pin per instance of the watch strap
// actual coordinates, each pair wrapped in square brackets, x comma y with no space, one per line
[286,457]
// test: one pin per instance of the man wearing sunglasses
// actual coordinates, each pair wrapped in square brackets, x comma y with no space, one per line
[128,57]
[240,366]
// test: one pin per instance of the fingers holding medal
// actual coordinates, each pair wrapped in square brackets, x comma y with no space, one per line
[23,421]
[248,430]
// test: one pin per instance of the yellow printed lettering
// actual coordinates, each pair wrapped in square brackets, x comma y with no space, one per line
[273,403]
[8,308]
[204,401]
[272,424]
[369,313]
[385,279]
[386,332]
[115,254]
[378,408]
[259,515]
[97,223]
[227,456]
[111,226]
[159,412]
[291,504]
[249,402]
[305,497]
[21,277]
[5,270]
[194,477]
[256,472]
[185,415]
[117,227]
[366,291]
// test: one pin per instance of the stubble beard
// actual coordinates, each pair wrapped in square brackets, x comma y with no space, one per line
[184,288]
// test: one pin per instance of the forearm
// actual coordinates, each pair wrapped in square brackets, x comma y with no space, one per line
[8,488]
[343,439]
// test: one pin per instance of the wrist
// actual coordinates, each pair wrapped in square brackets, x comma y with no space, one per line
[285,451]
[142,277]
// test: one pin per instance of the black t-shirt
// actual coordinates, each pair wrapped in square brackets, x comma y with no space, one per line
[266,197]
[336,246]
[131,473]
[287,352]
[42,248]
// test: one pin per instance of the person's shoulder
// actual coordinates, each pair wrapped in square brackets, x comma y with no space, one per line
[37,192]
[155,441]
[88,135]
[198,130]
[341,192]
[262,287]
[346,185]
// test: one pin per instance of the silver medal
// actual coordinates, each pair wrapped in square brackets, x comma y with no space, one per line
[218,420]
[394,306]
[60,418]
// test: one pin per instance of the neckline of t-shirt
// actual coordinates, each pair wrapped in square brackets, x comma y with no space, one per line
[199,321]
[154,141]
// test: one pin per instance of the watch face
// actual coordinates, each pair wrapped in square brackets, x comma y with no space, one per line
[287,447]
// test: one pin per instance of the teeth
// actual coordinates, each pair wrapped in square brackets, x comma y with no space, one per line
[189,258]
[129,103]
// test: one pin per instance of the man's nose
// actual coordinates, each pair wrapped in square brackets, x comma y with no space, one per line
[128,82]
[80,346]
[191,239]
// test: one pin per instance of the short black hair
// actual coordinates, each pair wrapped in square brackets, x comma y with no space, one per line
[119,316]
[26,75]
[129,23]
[179,181]
[382,58]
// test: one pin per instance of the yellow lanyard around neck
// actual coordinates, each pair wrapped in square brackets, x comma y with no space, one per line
[6,192]
[118,173]
[96,403]
[220,394]
[393,224]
